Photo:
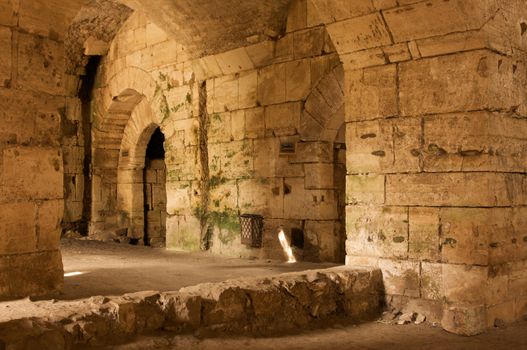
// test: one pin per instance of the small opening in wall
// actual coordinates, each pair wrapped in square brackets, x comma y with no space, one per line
[523,27]
[297,238]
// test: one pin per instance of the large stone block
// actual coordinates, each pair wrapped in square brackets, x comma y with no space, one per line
[17,228]
[219,129]
[8,12]
[234,61]
[519,222]
[464,284]
[465,235]
[283,119]
[178,197]
[297,15]
[452,43]
[359,33]
[223,195]
[42,169]
[377,231]
[50,215]
[237,159]
[365,189]
[248,89]
[254,123]
[40,64]
[319,176]
[384,146]
[33,274]
[313,152]
[225,94]
[271,84]
[464,320]
[455,189]
[431,281]
[308,43]
[183,233]
[371,93]
[478,141]
[460,82]
[424,229]
[298,79]
[400,277]
[300,203]
[327,11]
[30,118]
[46,18]
[435,18]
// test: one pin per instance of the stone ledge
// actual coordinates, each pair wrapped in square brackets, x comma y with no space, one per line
[285,303]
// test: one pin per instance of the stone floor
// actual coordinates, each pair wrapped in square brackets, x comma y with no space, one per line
[370,336]
[115,269]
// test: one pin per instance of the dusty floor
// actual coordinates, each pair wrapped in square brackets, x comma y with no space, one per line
[114,269]
[370,336]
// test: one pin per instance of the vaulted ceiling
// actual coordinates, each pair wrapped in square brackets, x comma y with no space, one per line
[212,26]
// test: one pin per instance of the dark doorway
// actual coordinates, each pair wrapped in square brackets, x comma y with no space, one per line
[340,187]
[154,179]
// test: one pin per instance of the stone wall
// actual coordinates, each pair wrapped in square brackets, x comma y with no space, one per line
[432,94]
[435,101]
[226,118]
[34,107]
[432,98]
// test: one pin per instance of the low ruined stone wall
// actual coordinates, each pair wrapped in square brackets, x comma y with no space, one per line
[285,303]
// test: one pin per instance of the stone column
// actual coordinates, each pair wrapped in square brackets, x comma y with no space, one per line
[436,156]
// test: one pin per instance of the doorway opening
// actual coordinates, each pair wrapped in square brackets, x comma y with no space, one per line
[340,188]
[154,189]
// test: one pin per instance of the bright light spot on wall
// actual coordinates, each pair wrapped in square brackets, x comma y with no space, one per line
[286,247]
[71,274]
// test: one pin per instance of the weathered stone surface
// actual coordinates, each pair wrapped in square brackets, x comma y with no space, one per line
[384,146]
[359,33]
[17,274]
[424,229]
[43,169]
[237,306]
[45,54]
[455,189]
[5,62]
[372,93]
[435,18]
[271,84]
[377,231]
[468,81]
[479,141]
[464,320]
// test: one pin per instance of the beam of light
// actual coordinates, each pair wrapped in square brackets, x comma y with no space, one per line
[71,274]
[286,247]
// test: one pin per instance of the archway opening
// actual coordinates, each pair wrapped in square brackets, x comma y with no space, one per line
[154,189]
[339,179]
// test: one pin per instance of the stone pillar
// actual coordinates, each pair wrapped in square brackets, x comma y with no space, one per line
[32,104]
[436,156]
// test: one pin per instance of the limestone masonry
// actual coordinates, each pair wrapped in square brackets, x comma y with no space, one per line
[385,134]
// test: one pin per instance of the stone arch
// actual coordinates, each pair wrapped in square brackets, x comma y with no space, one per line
[130,198]
[131,98]
[324,108]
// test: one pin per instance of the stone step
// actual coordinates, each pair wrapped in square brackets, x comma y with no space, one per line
[284,303]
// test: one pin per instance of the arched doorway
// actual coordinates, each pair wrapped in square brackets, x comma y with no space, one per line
[154,190]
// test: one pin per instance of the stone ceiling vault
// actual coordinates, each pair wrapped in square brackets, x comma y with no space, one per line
[208,27]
